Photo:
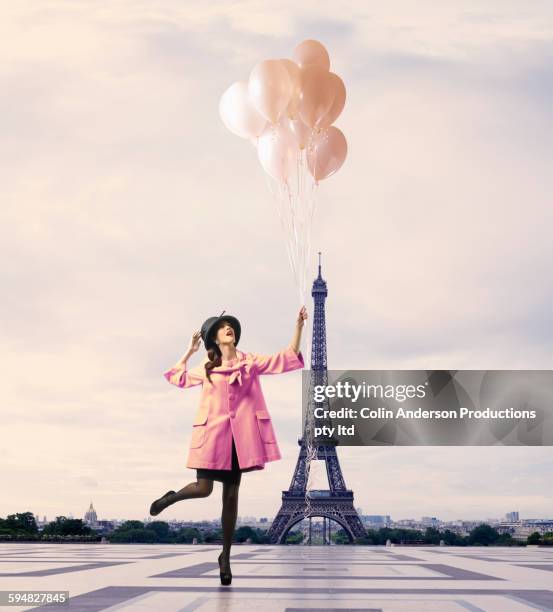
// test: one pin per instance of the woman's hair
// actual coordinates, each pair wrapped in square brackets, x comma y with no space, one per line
[215,360]
[213,354]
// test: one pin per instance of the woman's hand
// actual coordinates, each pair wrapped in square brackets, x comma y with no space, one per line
[195,342]
[302,316]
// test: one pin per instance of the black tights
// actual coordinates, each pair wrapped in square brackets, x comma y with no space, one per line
[202,488]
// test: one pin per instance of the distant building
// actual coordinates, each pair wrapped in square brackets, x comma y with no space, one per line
[376,520]
[507,527]
[409,523]
[512,517]
[457,527]
[526,527]
[90,517]
[41,523]
[105,525]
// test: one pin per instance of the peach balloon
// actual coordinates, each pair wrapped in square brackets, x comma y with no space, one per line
[327,153]
[317,94]
[300,132]
[294,73]
[312,53]
[277,152]
[337,104]
[270,88]
[238,112]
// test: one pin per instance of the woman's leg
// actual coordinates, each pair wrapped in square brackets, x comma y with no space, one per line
[201,488]
[228,520]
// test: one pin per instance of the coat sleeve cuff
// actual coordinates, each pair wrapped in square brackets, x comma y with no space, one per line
[296,359]
[176,376]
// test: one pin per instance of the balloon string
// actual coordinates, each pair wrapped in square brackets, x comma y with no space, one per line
[284,222]
[294,201]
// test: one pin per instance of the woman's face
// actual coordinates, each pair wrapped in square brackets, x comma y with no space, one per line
[225,334]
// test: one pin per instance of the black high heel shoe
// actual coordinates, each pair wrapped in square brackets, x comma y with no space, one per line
[226,577]
[160,504]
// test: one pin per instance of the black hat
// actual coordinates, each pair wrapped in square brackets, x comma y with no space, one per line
[210,325]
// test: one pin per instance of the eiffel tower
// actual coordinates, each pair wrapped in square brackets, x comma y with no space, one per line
[333,504]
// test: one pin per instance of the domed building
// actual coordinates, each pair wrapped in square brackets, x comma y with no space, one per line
[91,517]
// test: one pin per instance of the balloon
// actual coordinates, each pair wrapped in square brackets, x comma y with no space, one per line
[300,132]
[317,94]
[337,104]
[327,153]
[312,53]
[294,73]
[238,113]
[270,88]
[277,152]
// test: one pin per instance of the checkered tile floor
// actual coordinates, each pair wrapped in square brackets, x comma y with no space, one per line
[282,578]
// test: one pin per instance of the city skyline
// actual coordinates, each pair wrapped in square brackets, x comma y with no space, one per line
[513,516]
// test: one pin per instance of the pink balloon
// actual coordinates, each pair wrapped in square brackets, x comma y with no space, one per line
[337,104]
[277,152]
[238,113]
[327,153]
[312,53]
[294,73]
[316,96]
[300,132]
[270,88]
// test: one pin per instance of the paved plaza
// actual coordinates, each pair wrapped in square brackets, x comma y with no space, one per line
[281,578]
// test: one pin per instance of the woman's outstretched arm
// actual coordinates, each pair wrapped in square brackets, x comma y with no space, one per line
[288,359]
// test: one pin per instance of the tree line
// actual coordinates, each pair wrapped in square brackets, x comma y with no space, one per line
[22,527]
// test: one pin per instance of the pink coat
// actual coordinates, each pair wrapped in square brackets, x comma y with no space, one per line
[234,406]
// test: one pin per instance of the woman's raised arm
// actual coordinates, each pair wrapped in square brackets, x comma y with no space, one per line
[296,338]
[288,359]
[179,374]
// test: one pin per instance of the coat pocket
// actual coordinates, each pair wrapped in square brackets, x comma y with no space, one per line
[199,429]
[201,418]
[198,436]
[265,427]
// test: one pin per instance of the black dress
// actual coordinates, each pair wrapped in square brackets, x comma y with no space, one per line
[233,475]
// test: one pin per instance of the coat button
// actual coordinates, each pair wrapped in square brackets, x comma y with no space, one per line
[232,415]
[231,396]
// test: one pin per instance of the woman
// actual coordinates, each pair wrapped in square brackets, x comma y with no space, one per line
[232,431]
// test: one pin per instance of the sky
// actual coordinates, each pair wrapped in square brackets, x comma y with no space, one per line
[129,214]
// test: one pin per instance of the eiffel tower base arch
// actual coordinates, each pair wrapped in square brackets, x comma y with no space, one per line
[337,507]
